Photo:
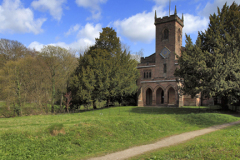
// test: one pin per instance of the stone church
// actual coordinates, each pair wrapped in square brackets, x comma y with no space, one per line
[158,86]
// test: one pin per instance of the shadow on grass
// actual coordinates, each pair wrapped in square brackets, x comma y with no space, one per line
[182,110]
[203,117]
[91,109]
[172,110]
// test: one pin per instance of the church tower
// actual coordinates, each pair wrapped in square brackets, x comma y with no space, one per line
[168,42]
[157,84]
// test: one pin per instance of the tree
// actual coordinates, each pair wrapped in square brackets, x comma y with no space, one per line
[212,65]
[11,51]
[27,76]
[68,100]
[105,71]
[58,63]
[15,83]
[12,88]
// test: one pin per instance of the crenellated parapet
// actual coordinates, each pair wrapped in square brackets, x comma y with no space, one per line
[149,59]
[170,18]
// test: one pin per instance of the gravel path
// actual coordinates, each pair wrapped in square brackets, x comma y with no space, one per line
[173,140]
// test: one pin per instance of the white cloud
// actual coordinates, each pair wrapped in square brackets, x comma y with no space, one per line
[90,32]
[93,5]
[36,45]
[139,27]
[53,6]
[193,24]
[211,8]
[72,29]
[14,18]
[86,38]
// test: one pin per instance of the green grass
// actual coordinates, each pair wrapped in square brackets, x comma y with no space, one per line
[94,133]
[223,144]
[203,107]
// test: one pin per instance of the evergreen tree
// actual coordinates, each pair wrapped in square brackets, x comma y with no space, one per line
[212,65]
[104,72]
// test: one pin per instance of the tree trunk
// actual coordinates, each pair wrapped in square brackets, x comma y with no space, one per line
[53,94]
[108,102]
[19,102]
[61,103]
[224,103]
[52,108]
[94,104]
[8,104]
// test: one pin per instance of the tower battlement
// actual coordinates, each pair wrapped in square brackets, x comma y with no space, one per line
[168,19]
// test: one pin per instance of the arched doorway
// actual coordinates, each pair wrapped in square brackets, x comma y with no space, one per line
[171,96]
[149,97]
[159,96]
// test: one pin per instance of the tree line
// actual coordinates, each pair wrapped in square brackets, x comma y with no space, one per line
[31,77]
[105,71]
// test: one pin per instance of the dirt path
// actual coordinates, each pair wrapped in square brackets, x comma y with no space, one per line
[173,140]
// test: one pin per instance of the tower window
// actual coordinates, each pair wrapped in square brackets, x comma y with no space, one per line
[165,34]
[147,74]
[165,68]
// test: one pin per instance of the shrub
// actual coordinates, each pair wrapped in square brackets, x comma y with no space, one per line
[6,112]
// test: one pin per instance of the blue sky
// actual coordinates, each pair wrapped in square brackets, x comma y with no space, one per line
[76,23]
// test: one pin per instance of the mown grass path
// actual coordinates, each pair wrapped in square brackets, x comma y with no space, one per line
[172,140]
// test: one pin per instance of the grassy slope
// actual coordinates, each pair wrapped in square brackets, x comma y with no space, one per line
[98,132]
[223,144]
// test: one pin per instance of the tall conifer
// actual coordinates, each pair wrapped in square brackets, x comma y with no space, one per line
[212,65]
[105,71]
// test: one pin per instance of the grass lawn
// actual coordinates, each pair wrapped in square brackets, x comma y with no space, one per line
[94,133]
[222,144]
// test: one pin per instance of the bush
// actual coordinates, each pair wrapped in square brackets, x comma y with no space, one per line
[6,112]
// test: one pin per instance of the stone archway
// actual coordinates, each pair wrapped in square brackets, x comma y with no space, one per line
[148,97]
[171,96]
[159,96]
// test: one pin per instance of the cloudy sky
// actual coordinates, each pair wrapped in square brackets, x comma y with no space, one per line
[76,23]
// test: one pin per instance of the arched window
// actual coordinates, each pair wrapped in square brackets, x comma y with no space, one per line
[144,75]
[150,75]
[165,34]
[147,74]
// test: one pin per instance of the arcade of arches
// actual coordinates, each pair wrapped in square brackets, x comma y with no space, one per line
[160,96]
